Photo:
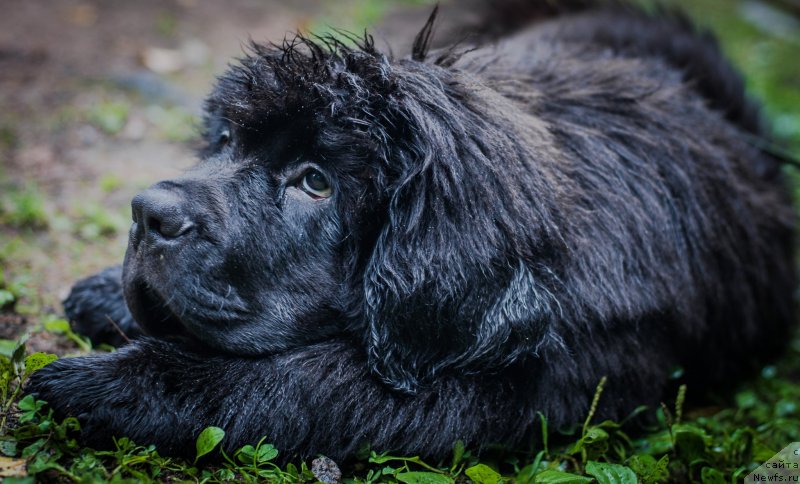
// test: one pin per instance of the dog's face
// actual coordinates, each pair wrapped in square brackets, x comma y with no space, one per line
[255,249]
[343,192]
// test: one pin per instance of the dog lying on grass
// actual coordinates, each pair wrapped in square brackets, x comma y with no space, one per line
[407,252]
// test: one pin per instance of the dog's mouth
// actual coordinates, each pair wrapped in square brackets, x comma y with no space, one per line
[151,311]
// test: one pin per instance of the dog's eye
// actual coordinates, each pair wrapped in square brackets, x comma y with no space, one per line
[316,184]
[224,137]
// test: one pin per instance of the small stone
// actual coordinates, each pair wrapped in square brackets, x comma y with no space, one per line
[326,470]
[88,135]
[162,61]
[83,15]
[195,53]
[134,129]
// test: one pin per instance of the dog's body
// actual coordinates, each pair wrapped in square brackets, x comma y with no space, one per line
[409,252]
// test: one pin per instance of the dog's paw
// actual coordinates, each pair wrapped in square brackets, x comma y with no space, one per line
[86,388]
[143,391]
[96,308]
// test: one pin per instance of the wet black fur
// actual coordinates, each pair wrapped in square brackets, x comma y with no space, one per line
[510,223]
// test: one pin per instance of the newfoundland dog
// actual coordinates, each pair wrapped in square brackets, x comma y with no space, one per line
[410,251]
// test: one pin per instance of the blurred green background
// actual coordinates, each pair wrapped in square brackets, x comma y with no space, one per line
[763,40]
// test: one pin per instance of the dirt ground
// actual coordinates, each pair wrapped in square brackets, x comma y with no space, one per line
[99,99]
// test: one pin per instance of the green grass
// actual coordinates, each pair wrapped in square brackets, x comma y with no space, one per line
[23,207]
[95,222]
[766,58]
[173,123]
[355,16]
[109,116]
[11,290]
[707,444]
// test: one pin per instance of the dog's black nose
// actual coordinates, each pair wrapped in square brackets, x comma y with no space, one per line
[159,213]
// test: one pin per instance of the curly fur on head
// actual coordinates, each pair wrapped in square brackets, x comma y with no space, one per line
[505,225]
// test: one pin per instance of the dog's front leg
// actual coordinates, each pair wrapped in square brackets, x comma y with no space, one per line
[319,399]
[96,308]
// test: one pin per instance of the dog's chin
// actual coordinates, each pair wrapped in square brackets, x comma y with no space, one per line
[147,306]
[150,310]
[146,298]
[161,308]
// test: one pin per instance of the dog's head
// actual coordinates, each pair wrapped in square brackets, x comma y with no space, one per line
[345,192]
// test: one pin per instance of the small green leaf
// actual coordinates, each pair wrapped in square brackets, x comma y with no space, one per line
[363,451]
[266,452]
[785,408]
[6,297]
[246,454]
[226,475]
[709,475]
[57,325]
[8,447]
[458,453]
[44,461]
[33,448]
[208,440]
[594,440]
[606,473]
[18,355]
[648,469]
[7,347]
[423,478]
[483,474]
[109,116]
[595,434]
[527,473]
[691,442]
[305,472]
[746,399]
[27,404]
[551,476]
[6,375]
[380,459]
[36,361]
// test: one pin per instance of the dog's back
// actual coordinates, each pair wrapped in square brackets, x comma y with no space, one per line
[613,29]
[677,225]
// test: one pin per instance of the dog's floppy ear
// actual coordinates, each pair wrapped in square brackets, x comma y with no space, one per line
[460,275]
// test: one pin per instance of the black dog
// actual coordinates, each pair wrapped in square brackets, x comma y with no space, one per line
[407,252]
